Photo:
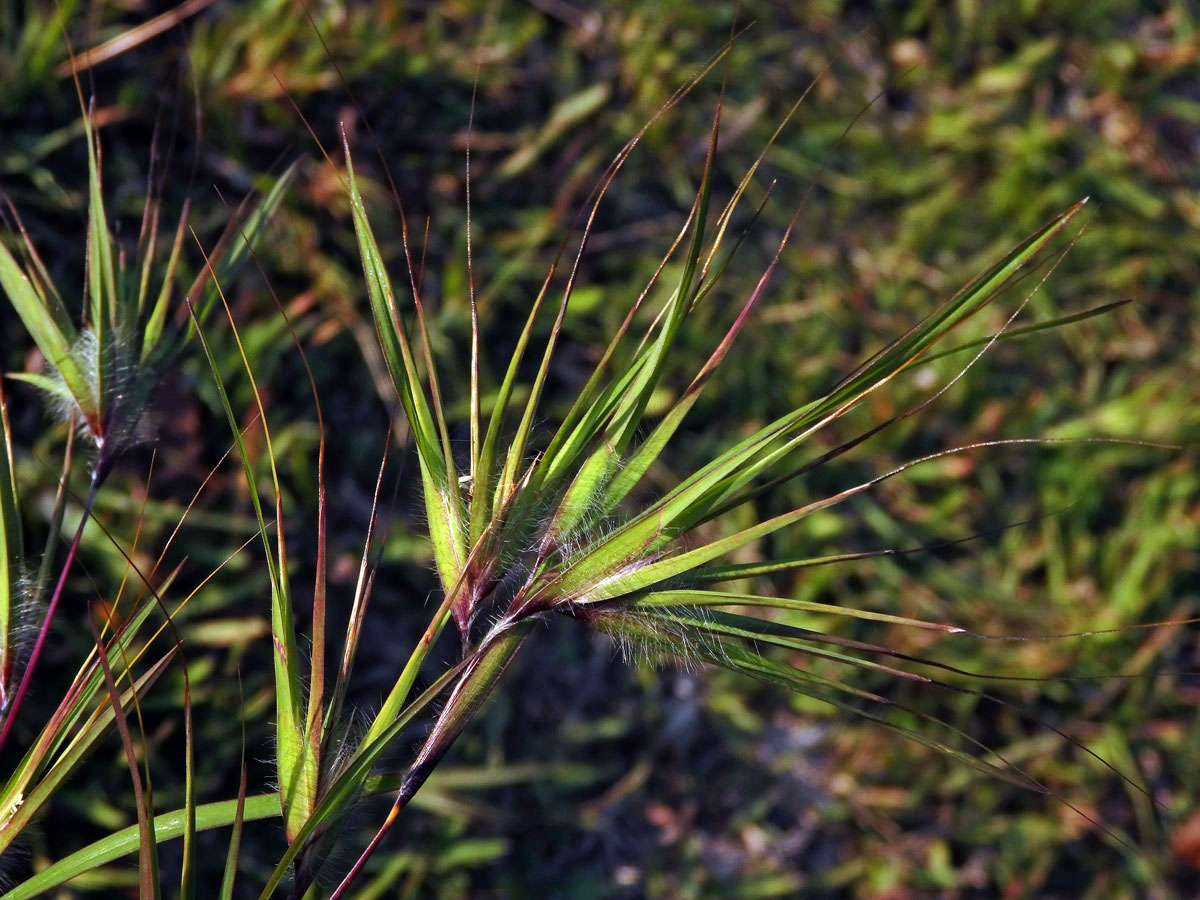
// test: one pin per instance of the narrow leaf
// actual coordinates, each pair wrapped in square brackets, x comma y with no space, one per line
[12,545]
[53,334]
[691,598]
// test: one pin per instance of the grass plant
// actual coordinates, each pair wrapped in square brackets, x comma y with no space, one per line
[542,504]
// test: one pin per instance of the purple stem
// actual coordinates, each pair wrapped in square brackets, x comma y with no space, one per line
[10,714]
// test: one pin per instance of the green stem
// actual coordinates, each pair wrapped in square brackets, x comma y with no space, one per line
[475,686]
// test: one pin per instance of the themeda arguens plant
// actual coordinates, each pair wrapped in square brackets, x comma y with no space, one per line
[525,530]
[100,376]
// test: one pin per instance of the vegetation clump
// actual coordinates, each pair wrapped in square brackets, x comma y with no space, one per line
[561,477]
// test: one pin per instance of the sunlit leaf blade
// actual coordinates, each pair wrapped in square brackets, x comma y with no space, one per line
[12,545]
[392,335]
[684,598]
[654,569]
[440,483]
[594,474]
[635,466]
[1009,334]
[691,501]
[152,331]
[53,333]
[54,387]
[718,574]
[104,317]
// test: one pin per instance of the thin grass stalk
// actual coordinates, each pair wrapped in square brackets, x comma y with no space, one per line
[472,689]
[12,567]
[47,619]
[148,886]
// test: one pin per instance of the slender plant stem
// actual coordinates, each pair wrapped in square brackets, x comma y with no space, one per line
[393,813]
[27,676]
[476,684]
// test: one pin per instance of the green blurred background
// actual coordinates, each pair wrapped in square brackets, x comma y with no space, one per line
[970,123]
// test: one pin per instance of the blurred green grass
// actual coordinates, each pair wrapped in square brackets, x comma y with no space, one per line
[976,123]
